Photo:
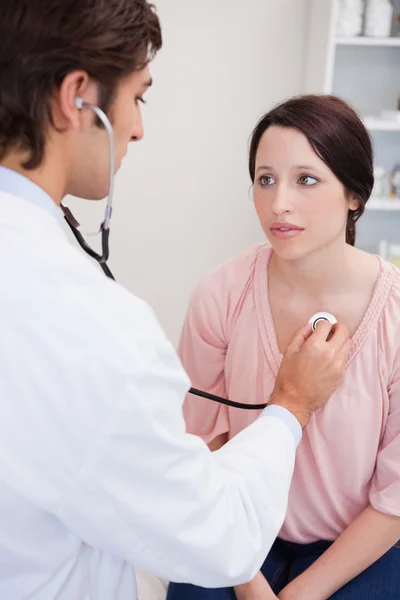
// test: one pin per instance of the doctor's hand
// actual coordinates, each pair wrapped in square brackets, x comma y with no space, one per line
[312,369]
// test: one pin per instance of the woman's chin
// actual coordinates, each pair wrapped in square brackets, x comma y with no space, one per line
[288,249]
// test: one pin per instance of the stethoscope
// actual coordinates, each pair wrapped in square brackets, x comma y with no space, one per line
[105,226]
[105,235]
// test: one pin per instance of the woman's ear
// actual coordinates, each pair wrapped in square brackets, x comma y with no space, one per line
[354,203]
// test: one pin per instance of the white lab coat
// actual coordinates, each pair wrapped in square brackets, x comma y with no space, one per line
[96,472]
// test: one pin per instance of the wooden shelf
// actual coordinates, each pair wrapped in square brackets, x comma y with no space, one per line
[386,204]
[368,41]
[376,124]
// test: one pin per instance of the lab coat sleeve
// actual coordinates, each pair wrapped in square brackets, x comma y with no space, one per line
[157,497]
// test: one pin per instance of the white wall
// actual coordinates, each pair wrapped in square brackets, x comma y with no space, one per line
[182,200]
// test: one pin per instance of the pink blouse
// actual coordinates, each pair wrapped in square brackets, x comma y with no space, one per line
[350,452]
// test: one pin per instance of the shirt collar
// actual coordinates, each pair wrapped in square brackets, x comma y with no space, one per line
[16,184]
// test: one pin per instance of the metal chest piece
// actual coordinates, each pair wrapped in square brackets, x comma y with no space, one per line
[321,316]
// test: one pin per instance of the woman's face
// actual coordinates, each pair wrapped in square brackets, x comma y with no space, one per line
[301,204]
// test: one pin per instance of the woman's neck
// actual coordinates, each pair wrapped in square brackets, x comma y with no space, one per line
[327,270]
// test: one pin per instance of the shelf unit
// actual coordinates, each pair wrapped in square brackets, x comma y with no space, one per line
[367,41]
[383,204]
[377,124]
[365,71]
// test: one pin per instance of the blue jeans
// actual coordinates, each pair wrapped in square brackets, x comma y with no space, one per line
[381,581]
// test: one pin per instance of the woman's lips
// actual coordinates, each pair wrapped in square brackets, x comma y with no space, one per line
[284,231]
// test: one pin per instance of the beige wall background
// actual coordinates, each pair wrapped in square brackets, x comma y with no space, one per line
[182,202]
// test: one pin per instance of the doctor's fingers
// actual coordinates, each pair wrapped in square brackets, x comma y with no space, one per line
[300,337]
[335,336]
[320,335]
[339,337]
[331,346]
[330,343]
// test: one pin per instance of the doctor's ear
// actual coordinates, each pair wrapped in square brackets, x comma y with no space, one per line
[76,85]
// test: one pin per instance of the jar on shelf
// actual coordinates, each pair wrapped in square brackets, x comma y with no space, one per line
[380,189]
[378,18]
[397,26]
[350,18]
[395,182]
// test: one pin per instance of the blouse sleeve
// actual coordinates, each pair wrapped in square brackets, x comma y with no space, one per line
[385,489]
[212,311]
[202,350]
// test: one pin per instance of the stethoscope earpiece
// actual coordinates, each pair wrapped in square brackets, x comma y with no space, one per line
[104,229]
[321,316]
[78,102]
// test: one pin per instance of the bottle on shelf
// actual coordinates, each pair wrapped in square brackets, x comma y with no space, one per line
[380,189]
[397,25]
[395,182]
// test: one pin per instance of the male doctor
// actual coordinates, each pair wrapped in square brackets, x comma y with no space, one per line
[96,471]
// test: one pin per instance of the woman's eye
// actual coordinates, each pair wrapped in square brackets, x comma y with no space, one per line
[308,180]
[266,180]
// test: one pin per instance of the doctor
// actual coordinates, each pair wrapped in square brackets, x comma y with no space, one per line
[96,472]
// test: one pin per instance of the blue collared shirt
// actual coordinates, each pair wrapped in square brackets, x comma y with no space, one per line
[14,183]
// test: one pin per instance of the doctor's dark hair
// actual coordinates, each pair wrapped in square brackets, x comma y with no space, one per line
[42,41]
[337,135]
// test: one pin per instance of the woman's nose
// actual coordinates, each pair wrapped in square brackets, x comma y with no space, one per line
[281,202]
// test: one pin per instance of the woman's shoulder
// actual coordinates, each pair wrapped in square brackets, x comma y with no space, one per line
[392,279]
[240,267]
[389,319]
[392,306]
[234,274]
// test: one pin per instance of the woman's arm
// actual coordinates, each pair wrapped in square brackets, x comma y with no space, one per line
[257,589]
[364,541]
[202,350]
[375,530]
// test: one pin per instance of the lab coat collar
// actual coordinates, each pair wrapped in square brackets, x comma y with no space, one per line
[16,184]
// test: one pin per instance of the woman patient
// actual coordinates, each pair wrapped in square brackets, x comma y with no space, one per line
[312,168]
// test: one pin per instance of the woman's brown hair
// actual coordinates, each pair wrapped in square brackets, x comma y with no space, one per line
[337,135]
[41,41]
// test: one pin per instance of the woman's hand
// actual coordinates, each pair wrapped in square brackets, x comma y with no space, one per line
[290,593]
[364,541]
[257,589]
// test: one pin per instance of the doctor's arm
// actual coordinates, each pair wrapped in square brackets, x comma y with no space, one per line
[158,498]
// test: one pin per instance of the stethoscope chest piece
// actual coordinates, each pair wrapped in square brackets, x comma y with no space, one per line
[321,316]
